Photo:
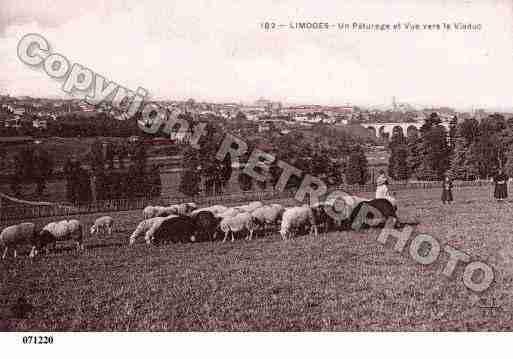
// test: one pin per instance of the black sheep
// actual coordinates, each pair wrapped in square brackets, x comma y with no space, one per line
[206,225]
[176,229]
[378,211]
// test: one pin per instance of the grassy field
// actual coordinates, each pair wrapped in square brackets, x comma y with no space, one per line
[341,281]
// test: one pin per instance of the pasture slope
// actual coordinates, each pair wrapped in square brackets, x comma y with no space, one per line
[342,281]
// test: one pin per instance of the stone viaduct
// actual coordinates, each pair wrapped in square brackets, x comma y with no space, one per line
[387,128]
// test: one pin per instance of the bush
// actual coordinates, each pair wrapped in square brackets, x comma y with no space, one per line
[356,168]
[121,184]
[245,182]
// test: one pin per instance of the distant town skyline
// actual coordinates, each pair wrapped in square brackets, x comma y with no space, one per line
[389,106]
[217,52]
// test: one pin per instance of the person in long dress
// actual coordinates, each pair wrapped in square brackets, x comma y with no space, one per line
[447,191]
[501,186]
[382,190]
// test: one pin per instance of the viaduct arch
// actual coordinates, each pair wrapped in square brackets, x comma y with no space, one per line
[388,128]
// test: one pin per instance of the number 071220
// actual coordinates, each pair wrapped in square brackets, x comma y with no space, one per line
[32,339]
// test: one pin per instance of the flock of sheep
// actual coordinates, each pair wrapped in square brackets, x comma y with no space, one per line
[185,222]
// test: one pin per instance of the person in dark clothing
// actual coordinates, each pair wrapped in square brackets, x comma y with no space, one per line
[501,186]
[447,190]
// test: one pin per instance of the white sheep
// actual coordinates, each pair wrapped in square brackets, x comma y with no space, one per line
[182,209]
[250,207]
[215,210]
[242,221]
[268,214]
[143,227]
[353,201]
[296,217]
[151,211]
[230,212]
[342,207]
[147,212]
[18,234]
[53,232]
[104,225]
[186,208]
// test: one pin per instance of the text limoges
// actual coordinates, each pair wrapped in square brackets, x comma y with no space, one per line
[309,25]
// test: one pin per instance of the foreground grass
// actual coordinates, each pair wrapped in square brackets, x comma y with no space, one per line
[341,281]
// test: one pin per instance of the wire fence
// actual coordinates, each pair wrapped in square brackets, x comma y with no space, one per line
[27,209]
[395,186]
[16,209]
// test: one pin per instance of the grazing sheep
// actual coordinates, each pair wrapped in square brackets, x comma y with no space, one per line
[206,225]
[230,212]
[148,212]
[250,207]
[268,214]
[176,209]
[12,236]
[54,232]
[215,210]
[392,200]
[379,210]
[150,233]
[335,213]
[331,213]
[152,211]
[353,201]
[191,206]
[174,228]
[103,225]
[166,211]
[242,221]
[320,212]
[295,218]
[143,227]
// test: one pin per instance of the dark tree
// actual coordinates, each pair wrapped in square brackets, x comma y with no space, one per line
[155,181]
[275,173]
[96,157]
[398,163]
[414,159]
[43,168]
[357,167]
[245,182]
[453,128]
[31,165]
[71,172]
[469,130]
[431,121]
[110,152]
[462,167]
[122,154]
[83,184]
[398,169]
[191,175]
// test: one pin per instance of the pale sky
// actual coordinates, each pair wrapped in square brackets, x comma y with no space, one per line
[216,50]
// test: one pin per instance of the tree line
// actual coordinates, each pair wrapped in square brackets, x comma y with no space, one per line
[469,150]
[119,169]
[31,165]
[129,179]
[334,158]
[76,124]
[113,171]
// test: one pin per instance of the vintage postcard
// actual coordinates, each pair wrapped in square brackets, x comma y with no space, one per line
[270,166]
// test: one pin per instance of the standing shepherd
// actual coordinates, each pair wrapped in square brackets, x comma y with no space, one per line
[447,190]
[501,186]
[382,188]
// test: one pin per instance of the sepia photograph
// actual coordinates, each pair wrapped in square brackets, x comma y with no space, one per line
[273,166]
